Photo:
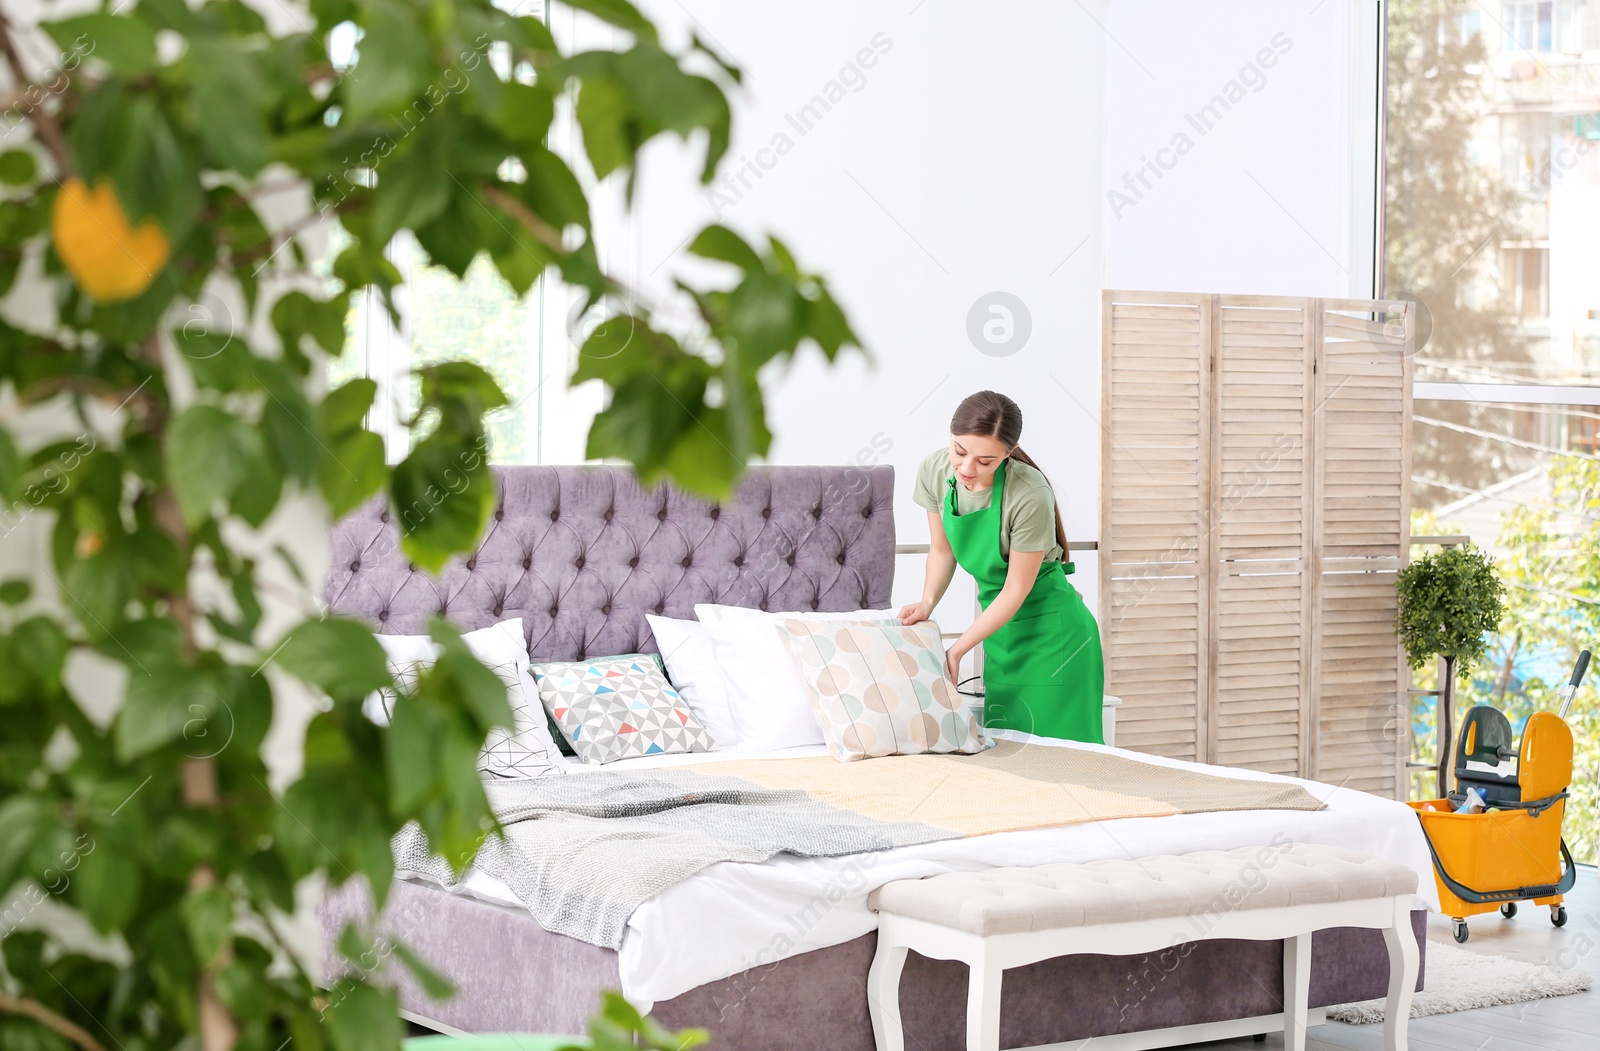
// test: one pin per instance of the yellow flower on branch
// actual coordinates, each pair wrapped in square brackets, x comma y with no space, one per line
[109,258]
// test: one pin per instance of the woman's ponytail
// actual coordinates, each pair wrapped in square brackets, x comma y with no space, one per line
[1061,531]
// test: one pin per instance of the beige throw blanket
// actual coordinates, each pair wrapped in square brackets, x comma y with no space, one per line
[583,852]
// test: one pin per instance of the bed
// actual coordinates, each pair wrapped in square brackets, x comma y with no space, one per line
[759,952]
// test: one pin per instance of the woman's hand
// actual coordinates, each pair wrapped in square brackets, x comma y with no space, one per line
[952,660]
[916,613]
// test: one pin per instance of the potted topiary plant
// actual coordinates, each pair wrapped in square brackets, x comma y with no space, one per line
[1450,600]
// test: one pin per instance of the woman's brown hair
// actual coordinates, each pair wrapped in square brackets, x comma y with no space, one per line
[994,415]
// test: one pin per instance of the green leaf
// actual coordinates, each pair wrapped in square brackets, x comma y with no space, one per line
[159,704]
[645,419]
[339,656]
[124,43]
[296,314]
[625,346]
[215,359]
[721,243]
[128,138]
[208,916]
[393,63]
[211,454]
[288,421]
[764,317]
[23,819]
[346,406]
[227,100]
[12,470]
[168,14]
[619,1026]
[107,888]
[603,114]
[415,186]
[443,493]
[361,265]
[42,649]
[525,112]
[463,387]
[552,191]
[827,326]
[363,1018]
[454,238]
[352,469]
[98,588]
[410,754]
[15,592]
[18,167]
[519,256]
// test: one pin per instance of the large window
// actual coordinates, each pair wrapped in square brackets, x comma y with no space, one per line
[1492,223]
[528,345]
[442,318]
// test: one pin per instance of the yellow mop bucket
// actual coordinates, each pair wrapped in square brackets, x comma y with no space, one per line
[1511,850]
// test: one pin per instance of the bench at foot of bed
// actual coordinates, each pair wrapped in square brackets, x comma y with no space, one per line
[1011,917]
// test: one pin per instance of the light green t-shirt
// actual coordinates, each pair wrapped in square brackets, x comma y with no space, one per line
[1027,516]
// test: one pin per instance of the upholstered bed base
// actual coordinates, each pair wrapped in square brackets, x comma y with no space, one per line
[514,976]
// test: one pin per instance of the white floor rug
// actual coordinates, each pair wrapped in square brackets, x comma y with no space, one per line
[1460,980]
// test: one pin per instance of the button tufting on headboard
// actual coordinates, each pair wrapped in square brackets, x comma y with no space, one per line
[589,543]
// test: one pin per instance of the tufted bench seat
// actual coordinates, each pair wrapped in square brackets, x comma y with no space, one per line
[1009,917]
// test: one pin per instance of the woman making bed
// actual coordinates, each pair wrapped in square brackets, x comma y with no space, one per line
[992,512]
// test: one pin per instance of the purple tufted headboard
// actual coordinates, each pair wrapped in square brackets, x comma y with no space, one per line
[581,554]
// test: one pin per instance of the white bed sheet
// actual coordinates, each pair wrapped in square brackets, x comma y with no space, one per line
[734,916]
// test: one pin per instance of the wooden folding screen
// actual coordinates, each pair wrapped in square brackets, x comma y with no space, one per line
[1255,478]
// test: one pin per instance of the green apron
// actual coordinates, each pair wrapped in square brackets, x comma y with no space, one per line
[1043,671]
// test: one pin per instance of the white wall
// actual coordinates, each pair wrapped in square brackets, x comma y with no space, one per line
[974,157]
[968,162]
[1269,191]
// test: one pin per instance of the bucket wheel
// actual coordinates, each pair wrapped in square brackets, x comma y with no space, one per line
[1558,915]
[1509,909]
[1459,929]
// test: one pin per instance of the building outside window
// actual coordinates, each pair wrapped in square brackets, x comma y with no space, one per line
[1492,223]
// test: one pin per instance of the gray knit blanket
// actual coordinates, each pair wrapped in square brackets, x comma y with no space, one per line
[584,852]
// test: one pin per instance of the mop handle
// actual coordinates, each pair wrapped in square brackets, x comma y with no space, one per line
[1577,680]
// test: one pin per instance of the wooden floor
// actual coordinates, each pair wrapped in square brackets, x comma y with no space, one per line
[1563,1023]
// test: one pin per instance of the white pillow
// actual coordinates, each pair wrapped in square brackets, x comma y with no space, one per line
[528,750]
[691,661]
[770,703]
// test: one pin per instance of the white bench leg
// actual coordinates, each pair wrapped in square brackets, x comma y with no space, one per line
[1404,957]
[883,991]
[983,1003]
[1296,990]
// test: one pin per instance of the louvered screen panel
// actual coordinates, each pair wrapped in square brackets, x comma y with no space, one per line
[1364,429]
[1153,392]
[1255,511]
[1264,389]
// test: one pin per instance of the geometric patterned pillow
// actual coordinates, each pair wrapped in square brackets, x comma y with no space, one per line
[618,708]
[879,688]
[528,751]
